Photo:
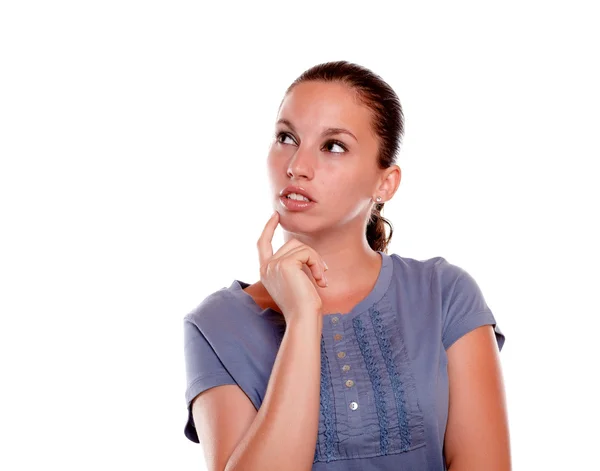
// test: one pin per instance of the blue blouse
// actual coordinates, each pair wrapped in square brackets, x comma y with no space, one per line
[384,379]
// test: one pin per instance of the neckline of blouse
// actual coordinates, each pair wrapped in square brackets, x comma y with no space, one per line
[379,289]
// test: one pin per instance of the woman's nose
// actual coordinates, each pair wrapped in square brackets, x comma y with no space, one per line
[301,164]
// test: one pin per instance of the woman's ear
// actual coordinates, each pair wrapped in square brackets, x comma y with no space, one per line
[390,181]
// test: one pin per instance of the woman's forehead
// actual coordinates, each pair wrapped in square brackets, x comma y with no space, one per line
[324,104]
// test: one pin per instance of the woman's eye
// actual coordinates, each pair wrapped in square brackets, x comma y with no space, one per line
[331,144]
[284,135]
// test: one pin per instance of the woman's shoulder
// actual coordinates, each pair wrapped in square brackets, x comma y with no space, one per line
[434,276]
[436,265]
[462,303]
[237,310]
[215,302]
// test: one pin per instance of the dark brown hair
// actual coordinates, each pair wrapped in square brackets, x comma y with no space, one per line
[388,124]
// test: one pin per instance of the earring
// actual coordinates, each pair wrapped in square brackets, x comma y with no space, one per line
[378,199]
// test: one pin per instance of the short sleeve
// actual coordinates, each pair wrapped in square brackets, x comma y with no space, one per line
[465,307]
[204,370]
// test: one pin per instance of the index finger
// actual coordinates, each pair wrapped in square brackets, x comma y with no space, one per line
[265,249]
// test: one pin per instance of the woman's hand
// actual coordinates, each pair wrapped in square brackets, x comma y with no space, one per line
[283,276]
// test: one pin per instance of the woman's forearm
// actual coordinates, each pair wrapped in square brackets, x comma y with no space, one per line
[284,433]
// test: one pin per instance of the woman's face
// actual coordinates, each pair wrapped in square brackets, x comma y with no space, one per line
[338,169]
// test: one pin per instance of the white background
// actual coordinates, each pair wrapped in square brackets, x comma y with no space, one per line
[133,139]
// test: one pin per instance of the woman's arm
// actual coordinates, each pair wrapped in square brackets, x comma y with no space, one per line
[283,433]
[477,435]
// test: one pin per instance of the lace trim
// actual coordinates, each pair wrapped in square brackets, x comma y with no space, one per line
[397,387]
[380,404]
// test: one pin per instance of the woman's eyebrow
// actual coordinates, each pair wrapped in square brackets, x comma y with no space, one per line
[327,132]
[339,131]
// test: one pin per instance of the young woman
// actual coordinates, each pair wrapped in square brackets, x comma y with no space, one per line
[342,356]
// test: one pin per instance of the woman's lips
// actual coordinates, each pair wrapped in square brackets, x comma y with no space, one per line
[296,189]
[295,205]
